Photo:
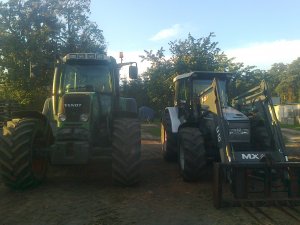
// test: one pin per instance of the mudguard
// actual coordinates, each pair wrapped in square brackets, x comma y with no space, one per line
[47,129]
[175,122]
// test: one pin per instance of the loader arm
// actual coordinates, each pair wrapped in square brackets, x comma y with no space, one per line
[270,178]
[210,101]
[261,96]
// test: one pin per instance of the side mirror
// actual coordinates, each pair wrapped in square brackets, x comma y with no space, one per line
[133,72]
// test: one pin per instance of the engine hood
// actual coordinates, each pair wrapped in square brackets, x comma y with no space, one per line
[73,105]
[233,114]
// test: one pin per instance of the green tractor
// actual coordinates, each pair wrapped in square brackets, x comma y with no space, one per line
[84,120]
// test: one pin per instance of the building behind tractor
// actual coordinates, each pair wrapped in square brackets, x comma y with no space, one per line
[84,120]
[243,140]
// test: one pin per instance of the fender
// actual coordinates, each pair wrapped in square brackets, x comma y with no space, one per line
[29,114]
[46,127]
[175,122]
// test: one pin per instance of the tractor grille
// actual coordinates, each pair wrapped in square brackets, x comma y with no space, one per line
[75,105]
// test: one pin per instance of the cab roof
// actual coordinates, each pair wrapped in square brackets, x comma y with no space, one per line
[203,75]
[87,58]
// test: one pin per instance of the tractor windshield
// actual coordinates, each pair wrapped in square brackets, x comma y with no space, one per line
[86,78]
[200,85]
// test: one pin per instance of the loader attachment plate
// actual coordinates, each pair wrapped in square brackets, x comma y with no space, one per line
[256,183]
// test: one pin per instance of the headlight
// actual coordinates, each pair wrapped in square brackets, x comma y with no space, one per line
[62,117]
[238,131]
[84,117]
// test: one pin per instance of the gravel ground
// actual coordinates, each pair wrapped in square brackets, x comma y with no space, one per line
[85,196]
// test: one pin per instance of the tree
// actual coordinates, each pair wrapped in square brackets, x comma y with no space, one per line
[78,33]
[244,79]
[136,88]
[159,75]
[34,32]
[192,55]
[289,81]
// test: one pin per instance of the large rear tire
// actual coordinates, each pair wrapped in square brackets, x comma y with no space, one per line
[126,153]
[192,160]
[168,140]
[22,165]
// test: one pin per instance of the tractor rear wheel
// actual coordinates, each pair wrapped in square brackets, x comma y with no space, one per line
[126,153]
[192,160]
[168,141]
[22,165]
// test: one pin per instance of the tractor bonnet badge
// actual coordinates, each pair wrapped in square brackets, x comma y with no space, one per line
[71,105]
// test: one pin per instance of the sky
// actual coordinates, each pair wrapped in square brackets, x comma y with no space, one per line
[257,32]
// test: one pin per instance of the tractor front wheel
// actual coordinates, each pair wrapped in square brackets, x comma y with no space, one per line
[168,141]
[22,164]
[192,160]
[126,152]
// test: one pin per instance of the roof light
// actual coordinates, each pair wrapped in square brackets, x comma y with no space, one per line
[81,56]
[72,56]
[103,57]
[100,56]
[91,56]
[85,56]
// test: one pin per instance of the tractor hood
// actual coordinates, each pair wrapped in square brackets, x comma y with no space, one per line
[238,125]
[233,114]
[74,107]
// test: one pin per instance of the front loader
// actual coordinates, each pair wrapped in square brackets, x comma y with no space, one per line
[85,120]
[243,140]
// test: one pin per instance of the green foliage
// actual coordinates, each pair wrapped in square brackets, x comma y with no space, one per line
[198,55]
[244,79]
[192,55]
[293,127]
[156,88]
[137,89]
[159,79]
[203,54]
[31,98]
[287,81]
[34,32]
[152,129]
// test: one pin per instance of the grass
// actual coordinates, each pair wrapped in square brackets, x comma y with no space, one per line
[294,127]
[153,128]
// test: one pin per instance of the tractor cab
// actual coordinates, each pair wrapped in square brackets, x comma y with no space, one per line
[83,81]
[189,89]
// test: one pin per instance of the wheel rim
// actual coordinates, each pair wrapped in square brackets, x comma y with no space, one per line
[163,138]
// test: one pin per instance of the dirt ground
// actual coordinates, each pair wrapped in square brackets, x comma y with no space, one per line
[85,196]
